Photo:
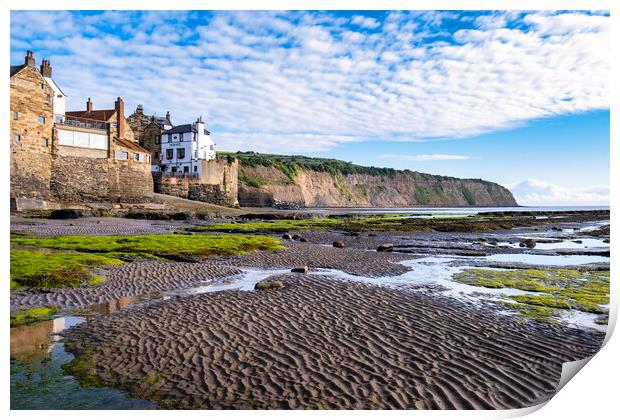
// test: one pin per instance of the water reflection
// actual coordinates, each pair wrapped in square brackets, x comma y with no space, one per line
[37,379]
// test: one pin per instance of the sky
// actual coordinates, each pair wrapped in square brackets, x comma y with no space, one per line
[518,98]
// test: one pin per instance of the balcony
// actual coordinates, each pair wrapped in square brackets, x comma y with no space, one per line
[80,122]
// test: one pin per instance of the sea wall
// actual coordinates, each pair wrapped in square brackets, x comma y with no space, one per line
[268,186]
[218,183]
[85,180]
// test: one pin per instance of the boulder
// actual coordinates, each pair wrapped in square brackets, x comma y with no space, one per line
[530,243]
[268,284]
[387,247]
[302,270]
[296,236]
[69,214]
[302,239]
[338,244]
[287,236]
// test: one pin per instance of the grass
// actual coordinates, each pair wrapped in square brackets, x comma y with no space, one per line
[39,269]
[559,289]
[30,268]
[31,316]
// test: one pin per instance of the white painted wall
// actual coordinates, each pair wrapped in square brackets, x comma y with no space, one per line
[197,146]
[59,97]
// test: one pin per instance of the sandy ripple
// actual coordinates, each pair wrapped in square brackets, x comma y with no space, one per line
[321,342]
[352,261]
[126,280]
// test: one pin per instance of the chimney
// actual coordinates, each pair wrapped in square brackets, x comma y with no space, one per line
[46,68]
[168,115]
[139,109]
[89,106]
[119,107]
[30,59]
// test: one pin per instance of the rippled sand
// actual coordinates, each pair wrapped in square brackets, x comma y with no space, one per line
[323,343]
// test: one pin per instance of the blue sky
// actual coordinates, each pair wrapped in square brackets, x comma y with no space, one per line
[520,98]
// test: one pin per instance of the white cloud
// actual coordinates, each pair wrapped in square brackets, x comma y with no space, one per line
[312,77]
[537,192]
[365,22]
[424,158]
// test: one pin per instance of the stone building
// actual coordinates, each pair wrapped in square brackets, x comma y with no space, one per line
[32,120]
[60,157]
[147,131]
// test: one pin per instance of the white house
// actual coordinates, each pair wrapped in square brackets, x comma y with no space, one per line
[59,98]
[183,148]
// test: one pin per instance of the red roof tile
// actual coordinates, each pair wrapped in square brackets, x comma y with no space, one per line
[99,114]
[128,144]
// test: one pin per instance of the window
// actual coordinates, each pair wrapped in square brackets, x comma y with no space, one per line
[212,147]
[41,120]
[195,168]
[157,139]
[181,153]
[15,115]
[169,138]
[186,169]
[121,155]
[195,154]
[136,156]
[44,142]
[18,138]
[42,86]
[174,169]
[148,158]
[169,153]
[49,98]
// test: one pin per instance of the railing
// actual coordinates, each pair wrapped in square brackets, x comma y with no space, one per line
[79,122]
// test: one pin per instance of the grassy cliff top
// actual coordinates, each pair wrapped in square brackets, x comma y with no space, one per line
[291,164]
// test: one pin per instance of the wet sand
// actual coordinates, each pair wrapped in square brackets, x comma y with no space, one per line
[323,343]
[126,280]
[319,342]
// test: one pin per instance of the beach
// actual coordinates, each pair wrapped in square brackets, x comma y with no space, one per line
[356,329]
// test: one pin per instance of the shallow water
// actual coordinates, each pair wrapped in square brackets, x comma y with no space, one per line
[553,260]
[444,210]
[432,274]
[37,379]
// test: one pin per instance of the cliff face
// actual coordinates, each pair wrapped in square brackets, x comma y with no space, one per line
[268,185]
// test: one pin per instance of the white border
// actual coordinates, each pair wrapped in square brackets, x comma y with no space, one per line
[591,395]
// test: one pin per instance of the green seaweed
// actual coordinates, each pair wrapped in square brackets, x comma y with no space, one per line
[558,289]
[32,316]
[40,269]
[168,245]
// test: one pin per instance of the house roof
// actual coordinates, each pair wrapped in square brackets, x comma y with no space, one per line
[99,114]
[16,69]
[161,121]
[184,128]
[128,144]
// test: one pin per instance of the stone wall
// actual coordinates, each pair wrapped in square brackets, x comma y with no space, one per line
[218,185]
[31,98]
[80,180]
[130,181]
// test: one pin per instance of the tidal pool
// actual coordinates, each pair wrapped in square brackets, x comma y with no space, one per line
[37,379]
